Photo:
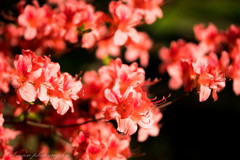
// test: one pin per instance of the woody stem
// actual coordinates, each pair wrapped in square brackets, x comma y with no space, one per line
[50,126]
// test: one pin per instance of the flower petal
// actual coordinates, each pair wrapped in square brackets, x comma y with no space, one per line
[110,96]
[120,38]
[236,86]
[204,93]
[28,92]
[30,33]
[127,126]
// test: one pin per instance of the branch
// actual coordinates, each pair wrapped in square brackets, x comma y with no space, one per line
[50,126]
[78,124]
[40,125]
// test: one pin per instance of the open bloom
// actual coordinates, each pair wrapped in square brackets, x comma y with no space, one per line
[5,73]
[31,18]
[6,135]
[60,92]
[127,102]
[116,91]
[38,77]
[25,76]
[107,47]
[150,8]
[210,38]
[101,141]
[210,79]
[123,104]
[235,67]
[125,18]
[139,49]
[143,133]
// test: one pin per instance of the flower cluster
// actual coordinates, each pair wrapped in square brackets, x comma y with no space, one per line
[6,134]
[30,83]
[37,77]
[117,91]
[77,23]
[6,71]
[204,66]
[109,104]
[101,141]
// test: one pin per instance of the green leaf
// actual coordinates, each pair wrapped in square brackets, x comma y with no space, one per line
[34,116]
[21,117]
[106,60]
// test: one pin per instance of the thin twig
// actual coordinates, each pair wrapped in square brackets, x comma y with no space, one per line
[50,126]
[40,125]
[78,124]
